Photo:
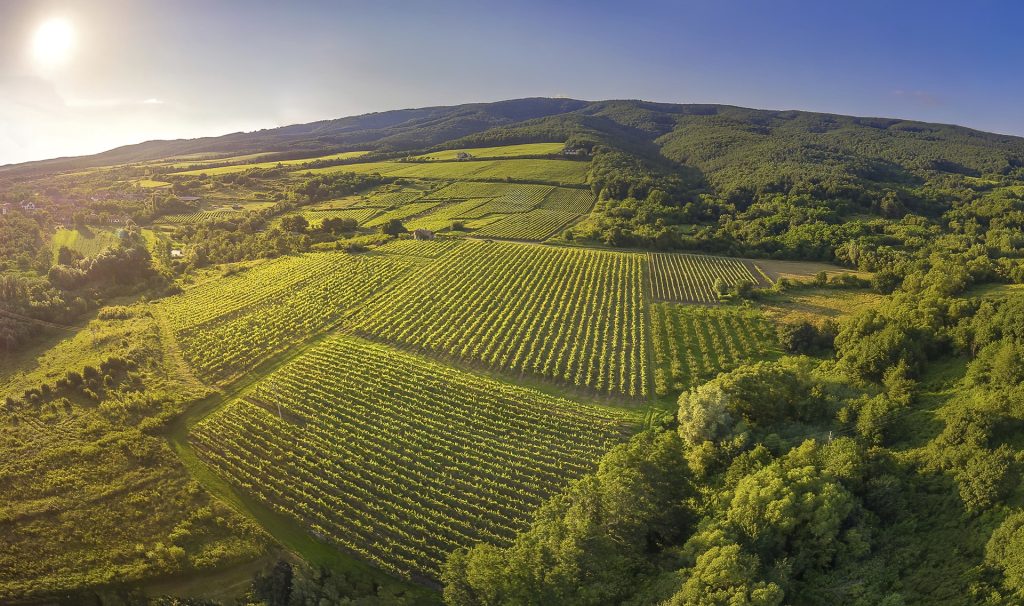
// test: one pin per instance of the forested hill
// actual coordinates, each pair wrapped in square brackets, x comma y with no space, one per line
[733,147]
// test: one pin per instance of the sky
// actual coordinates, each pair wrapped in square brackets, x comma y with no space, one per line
[105,73]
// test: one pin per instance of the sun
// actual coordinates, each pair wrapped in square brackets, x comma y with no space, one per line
[53,43]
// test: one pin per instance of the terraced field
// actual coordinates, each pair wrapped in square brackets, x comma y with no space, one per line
[227,325]
[690,278]
[574,315]
[398,459]
[694,343]
[553,171]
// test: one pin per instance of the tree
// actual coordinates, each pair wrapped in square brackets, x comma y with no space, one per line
[295,223]
[1005,552]
[67,256]
[726,575]
[586,546]
[721,288]
[393,227]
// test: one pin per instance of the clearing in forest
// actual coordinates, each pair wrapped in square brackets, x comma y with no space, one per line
[87,242]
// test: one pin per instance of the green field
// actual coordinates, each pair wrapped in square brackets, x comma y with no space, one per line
[553,171]
[690,278]
[402,212]
[224,326]
[237,168]
[398,459]
[693,344]
[87,242]
[199,216]
[575,316]
[504,151]
[88,498]
[150,183]
[537,224]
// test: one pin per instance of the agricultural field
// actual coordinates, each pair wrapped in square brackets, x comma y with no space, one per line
[817,305]
[503,151]
[237,168]
[317,215]
[553,171]
[187,161]
[569,200]
[398,459]
[225,326]
[573,315]
[442,217]
[402,212]
[694,343]
[431,249]
[774,269]
[150,183]
[690,278]
[198,216]
[538,224]
[86,242]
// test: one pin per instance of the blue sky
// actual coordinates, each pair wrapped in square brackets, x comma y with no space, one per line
[146,69]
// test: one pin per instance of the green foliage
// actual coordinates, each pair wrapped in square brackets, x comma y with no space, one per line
[399,459]
[588,545]
[1005,553]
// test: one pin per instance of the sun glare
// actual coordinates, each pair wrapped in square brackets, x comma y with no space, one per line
[53,43]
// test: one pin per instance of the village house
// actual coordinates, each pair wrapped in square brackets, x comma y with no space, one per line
[422,234]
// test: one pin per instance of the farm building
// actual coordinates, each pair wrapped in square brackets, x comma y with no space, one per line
[463,156]
[422,234]
[176,253]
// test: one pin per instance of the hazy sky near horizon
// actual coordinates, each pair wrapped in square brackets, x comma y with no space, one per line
[134,70]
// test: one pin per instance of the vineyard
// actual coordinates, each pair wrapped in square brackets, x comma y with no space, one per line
[401,212]
[400,460]
[442,217]
[237,168]
[197,217]
[690,278]
[537,224]
[502,151]
[568,200]
[225,326]
[574,315]
[693,344]
[554,171]
[360,215]
[431,249]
